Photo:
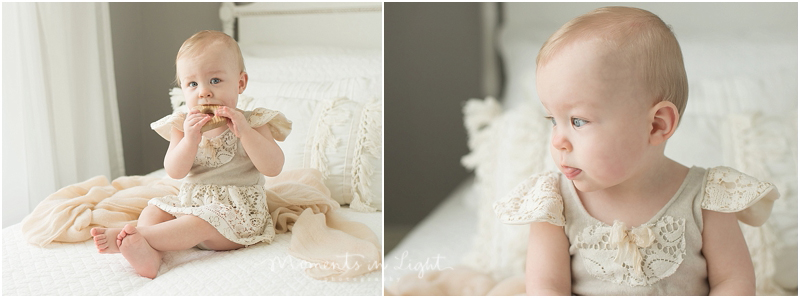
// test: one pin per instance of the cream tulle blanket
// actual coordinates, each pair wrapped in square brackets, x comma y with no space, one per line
[298,202]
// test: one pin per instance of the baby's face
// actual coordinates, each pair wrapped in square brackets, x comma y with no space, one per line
[211,77]
[601,128]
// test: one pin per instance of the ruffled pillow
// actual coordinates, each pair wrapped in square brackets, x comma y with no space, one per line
[505,149]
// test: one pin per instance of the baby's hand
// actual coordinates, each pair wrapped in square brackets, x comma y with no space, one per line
[193,123]
[236,121]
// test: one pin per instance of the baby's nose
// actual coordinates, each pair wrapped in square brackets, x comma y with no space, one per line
[561,142]
[205,92]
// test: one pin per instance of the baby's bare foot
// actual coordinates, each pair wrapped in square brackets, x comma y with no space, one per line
[104,240]
[144,259]
[122,234]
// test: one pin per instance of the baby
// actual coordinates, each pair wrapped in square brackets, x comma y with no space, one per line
[222,203]
[621,218]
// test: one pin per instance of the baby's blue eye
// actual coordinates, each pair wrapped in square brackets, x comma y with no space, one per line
[192,84]
[578,122]
[215,81]
[552,120]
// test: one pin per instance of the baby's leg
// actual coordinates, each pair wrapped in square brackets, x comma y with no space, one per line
[104,240]
[151,215]
[142,246]
[185,232]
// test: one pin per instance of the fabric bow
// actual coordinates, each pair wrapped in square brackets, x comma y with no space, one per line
[628,243]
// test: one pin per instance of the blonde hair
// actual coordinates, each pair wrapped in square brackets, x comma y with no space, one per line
[201,40]
[637,33]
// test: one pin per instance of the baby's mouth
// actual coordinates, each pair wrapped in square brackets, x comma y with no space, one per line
[570,172]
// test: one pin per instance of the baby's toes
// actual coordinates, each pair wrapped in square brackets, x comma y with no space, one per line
[101,245]
[97,231]
[122,234]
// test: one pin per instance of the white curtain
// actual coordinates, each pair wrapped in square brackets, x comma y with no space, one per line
[60,119]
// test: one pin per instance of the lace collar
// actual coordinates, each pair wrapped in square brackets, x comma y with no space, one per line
[217,151]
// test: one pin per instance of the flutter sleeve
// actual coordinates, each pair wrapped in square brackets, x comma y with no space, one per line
[164,125]
[730,191]
[279,126]
[537,199]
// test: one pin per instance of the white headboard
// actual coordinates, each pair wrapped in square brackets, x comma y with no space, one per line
[686,18]
[717,39]
[349,25]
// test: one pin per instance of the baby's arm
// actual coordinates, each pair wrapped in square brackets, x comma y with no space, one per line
[730,269]
[264,152]
[183,147]
[258,142]
[547,268]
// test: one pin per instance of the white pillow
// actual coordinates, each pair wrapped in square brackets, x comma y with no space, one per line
[505,149]
[766,148]
[360,89]
[340,137]
[296,71]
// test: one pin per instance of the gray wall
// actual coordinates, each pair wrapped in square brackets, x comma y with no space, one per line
[432,64]
[145,38]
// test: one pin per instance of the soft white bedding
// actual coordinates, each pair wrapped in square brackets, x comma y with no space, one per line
[261,269]
[444,235]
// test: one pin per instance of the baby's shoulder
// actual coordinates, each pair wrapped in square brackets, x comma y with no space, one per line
[730,191]
[536,199]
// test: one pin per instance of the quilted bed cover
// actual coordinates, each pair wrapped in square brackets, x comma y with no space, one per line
[440,241]
[261,269]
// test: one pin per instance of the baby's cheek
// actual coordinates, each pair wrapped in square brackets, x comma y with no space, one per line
[612,160]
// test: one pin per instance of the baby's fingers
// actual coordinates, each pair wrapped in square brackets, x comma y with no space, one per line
[203,120]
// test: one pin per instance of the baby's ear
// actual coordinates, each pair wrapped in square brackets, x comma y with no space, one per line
[665,118]
[242,81]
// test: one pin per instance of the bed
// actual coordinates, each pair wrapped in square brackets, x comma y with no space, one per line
[741,61]
[321,65]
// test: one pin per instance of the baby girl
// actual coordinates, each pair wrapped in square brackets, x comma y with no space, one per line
[621,218]
[222,203]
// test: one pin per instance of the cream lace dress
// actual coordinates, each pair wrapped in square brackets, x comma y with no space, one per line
[660,257]
[223,186]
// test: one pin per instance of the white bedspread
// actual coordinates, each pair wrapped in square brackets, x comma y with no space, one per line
[440,241]
[261,269]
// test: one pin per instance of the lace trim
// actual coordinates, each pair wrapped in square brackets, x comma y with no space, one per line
[367,146]
[217,151]
[728,190]
[536,199]
[324,140]
[279,126]
[638,257]
[164,125]
[240,213]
